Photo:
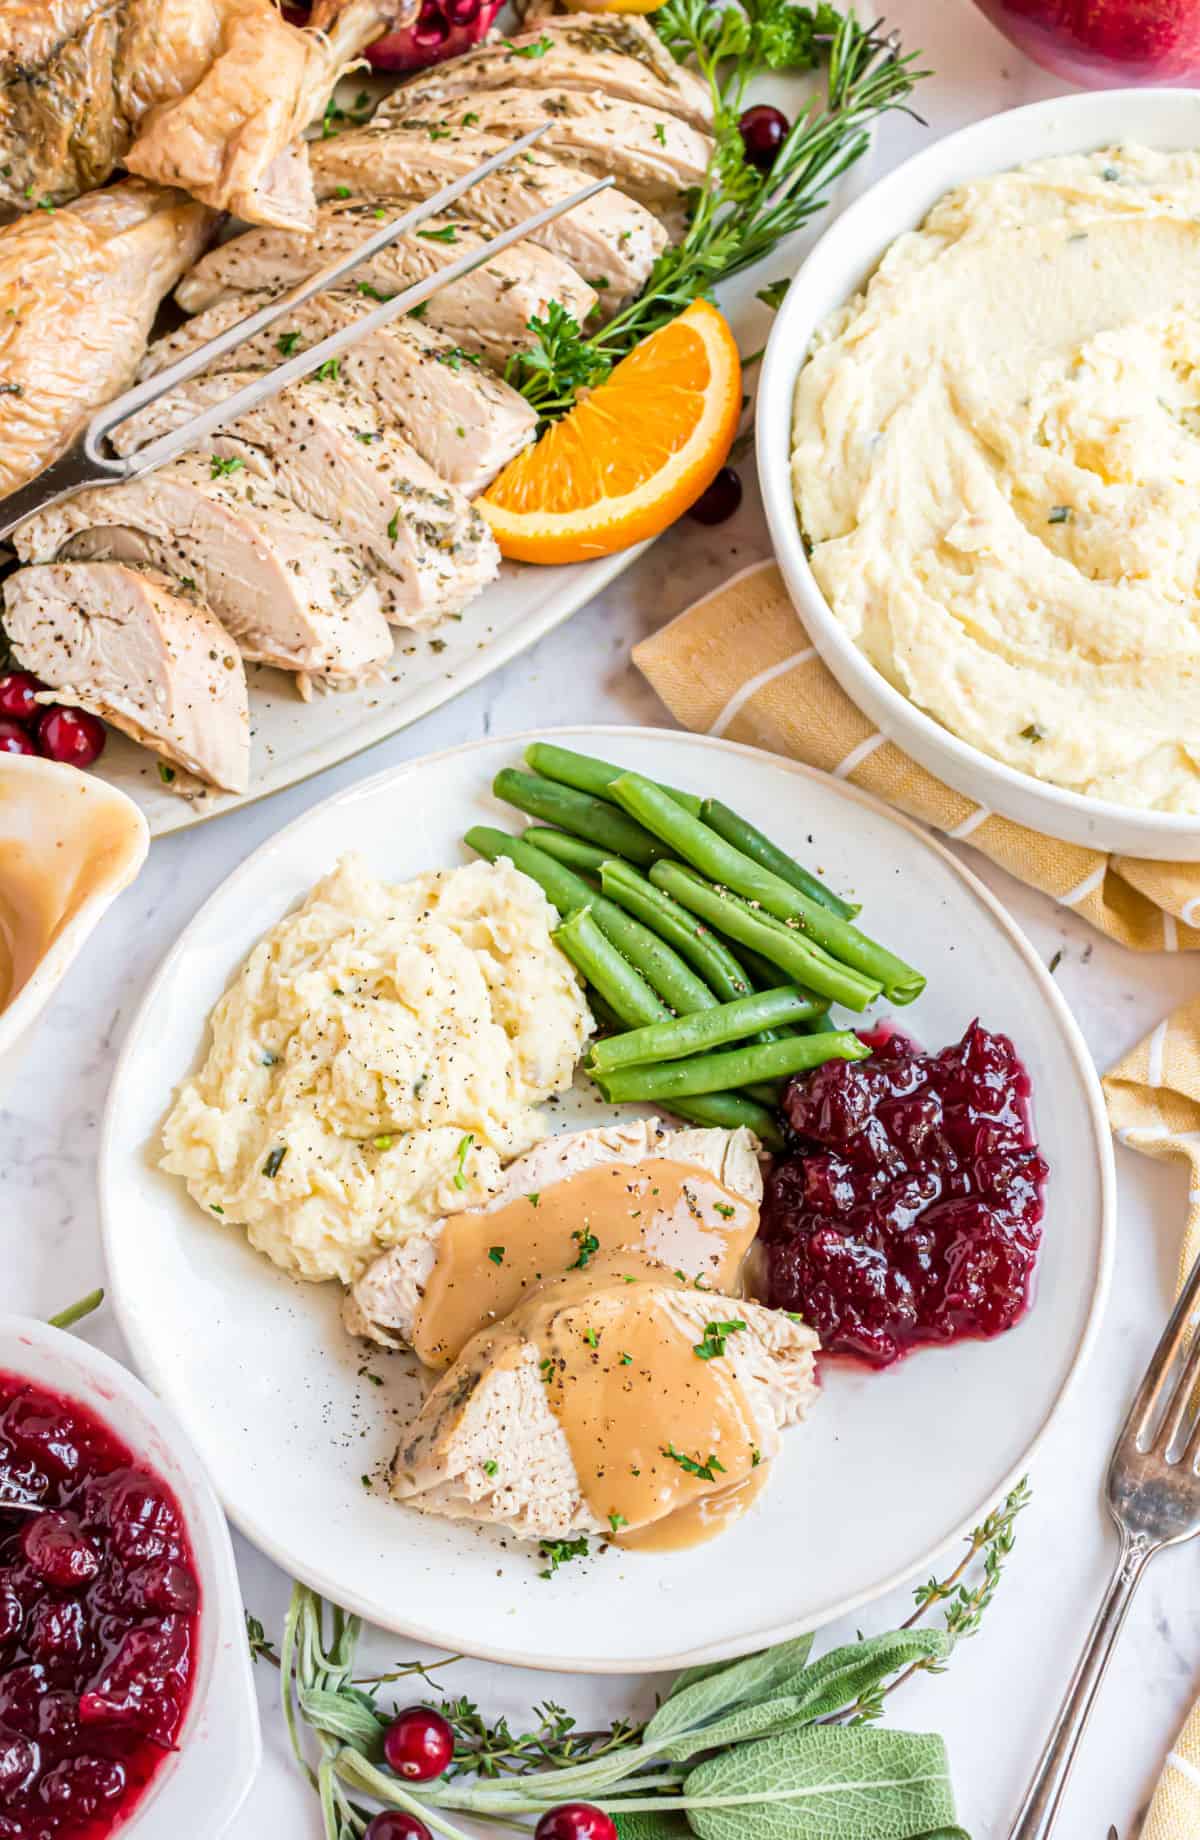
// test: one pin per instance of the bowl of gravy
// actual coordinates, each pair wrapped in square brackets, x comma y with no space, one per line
[68,845]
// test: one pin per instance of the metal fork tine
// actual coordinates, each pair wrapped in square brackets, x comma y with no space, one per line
[1183,1404]
[1164,1357]
[304,363]
[188,366]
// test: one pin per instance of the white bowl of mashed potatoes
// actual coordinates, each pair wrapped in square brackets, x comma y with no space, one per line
[979,445]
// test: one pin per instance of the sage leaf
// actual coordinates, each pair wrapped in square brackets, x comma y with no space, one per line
[844,1674]
[737,1727]
[666,1826]
[341,1716]
[730,1684]
[824,1784]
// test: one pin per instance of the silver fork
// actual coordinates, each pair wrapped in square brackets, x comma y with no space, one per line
[1153,1494]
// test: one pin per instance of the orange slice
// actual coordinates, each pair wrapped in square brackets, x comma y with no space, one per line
[633,453]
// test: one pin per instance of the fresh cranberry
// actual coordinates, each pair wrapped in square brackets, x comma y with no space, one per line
[908,1208]
[575,1821]
[142,1520]
[59,1551]
[418,1744]
[18,696]
[763,130]
[73,736]
[19,1760]
[82,1786]
[162,1586]
[33,1424]
[56,1633]
[12,1615]
[14,740]
[395,1825]
[719,500]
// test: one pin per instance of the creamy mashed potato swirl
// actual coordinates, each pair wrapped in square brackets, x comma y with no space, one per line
[997,465]
[378,1058]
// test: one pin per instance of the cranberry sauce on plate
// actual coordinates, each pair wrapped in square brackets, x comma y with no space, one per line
[98,1612]
[907,1207]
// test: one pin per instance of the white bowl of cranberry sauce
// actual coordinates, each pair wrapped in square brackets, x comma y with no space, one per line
[126,1699]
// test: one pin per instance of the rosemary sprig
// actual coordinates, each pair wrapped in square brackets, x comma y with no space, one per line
[738,215]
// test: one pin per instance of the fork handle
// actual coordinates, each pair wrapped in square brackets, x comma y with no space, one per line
[1039,1810]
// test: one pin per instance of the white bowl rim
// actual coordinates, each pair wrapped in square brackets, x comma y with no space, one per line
[787,350]
[208,1533]
[414,1630]
[55,962]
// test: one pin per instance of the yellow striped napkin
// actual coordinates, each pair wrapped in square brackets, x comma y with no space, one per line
[739,663]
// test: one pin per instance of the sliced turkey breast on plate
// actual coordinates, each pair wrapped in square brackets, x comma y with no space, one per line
[605,1404]
[333,454]
[463,422]
[487,311]
[152,660]
[287,588]
[610,239]
[654,157]
[687,1198]
[616,54]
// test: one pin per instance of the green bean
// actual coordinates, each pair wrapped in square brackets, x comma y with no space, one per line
[790,951]
[566,849]
[621,985]
[751,842]
[710,1028]
[691,839]
[675,981]
[595,820]
[764,973]
[766,1092]
[733,1068]
[588,774]
[694,941]
[728,1111]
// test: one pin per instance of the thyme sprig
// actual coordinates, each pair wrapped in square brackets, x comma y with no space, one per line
[738,215]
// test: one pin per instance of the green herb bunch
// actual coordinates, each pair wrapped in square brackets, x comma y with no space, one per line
[738,215]
[773,1744]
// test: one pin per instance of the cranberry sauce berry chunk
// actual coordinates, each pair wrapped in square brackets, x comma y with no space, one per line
[908,1205]
[98,1606]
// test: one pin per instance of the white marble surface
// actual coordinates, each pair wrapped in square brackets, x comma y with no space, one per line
[996,1702]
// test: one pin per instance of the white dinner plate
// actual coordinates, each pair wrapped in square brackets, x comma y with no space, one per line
[890,1468]
[292,739]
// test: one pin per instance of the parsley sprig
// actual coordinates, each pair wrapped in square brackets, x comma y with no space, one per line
[738,215]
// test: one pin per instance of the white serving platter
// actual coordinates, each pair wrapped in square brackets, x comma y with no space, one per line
[293,739]
[891,1467]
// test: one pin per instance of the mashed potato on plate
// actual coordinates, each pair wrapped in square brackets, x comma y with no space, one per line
[377,1060]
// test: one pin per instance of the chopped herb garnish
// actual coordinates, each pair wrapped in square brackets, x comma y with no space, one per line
[267,1059]
[447,234]
[546,1368]
[617,1521]
[707,1471]
[724,1210]
[588,1245]
[287,342]
[534,1197]
[220,469]
[216,1207]
[496,1254]
[490,1467]
[660,133]
[1060,514]
[460,1174]
[470,119]
[384,1142]
[536,49]
[394,524]
[1033,733]
[715,1336]
[342,191]
[755,1456]
[558,1552]
[592,1338]
[274,1162]
[626,1360]
[166,774]
[328,372]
